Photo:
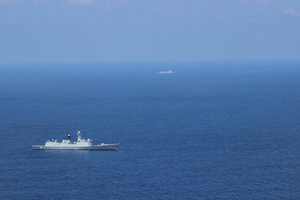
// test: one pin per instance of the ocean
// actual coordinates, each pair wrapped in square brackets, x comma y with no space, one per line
[212,130]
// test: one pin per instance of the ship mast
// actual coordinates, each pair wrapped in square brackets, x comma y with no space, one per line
[79,137]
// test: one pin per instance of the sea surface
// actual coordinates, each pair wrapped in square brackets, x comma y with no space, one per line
[211,130]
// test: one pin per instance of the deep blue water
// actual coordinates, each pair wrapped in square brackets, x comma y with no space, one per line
[209,131]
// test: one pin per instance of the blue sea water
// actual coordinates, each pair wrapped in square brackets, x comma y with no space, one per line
[210,131]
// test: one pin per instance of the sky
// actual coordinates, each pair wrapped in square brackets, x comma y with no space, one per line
[43,31]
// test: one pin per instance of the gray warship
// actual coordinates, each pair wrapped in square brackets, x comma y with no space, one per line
[80,144]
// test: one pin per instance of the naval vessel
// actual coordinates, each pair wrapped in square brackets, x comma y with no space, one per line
[80,144]
[167,72]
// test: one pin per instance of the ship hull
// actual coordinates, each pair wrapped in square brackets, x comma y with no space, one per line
[107,147]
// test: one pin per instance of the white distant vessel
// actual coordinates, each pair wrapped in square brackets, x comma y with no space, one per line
[80,144]
[167,72]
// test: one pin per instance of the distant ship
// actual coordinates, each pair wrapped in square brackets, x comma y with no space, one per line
[167,72]
[80,144]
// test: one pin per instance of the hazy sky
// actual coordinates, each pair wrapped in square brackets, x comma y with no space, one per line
[148,30]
